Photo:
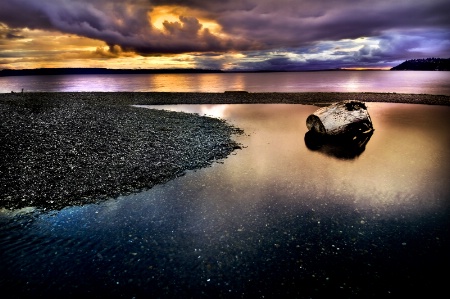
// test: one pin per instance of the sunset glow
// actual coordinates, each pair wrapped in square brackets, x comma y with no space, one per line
[171,14]
[226,35]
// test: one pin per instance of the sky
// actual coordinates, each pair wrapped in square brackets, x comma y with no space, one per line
[229,35]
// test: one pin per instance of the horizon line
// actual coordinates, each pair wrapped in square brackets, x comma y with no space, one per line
[101,70]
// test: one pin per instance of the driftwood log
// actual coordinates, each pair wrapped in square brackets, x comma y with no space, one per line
[342,118]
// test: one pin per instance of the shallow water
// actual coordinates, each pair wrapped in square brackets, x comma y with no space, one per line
[276,219]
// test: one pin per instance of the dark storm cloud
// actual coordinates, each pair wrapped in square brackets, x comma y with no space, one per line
[7,33]
[13,36]
[266,23]
[290,23]
[383,51]
[288,64]
[246,25]
[213,7]
[124,23]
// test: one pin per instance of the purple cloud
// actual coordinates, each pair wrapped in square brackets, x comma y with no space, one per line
[116,23]
[250,26]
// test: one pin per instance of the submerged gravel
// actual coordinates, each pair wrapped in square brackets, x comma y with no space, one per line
[72,149]
[61,149]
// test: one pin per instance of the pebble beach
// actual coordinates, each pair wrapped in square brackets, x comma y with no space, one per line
[64,149]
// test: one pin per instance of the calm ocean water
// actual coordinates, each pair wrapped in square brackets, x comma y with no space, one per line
[415,82]
[277,219]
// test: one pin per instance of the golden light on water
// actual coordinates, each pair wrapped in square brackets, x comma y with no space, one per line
[218,111]
[400,167]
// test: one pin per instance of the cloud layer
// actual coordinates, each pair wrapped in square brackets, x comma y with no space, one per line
[308,32]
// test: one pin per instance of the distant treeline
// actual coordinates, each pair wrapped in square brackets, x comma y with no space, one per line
[428,64]
[98,71]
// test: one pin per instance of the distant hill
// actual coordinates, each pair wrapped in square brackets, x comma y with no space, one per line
[428,64]
[98,71]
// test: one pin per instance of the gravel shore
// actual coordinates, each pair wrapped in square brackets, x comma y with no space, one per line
[70,149]
[62,149]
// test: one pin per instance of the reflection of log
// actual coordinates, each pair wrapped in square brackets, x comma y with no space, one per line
[348,117]
[338,146]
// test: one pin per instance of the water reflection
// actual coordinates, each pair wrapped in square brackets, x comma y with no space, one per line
[341,148]
[397,167]
[349,81]
[274,220]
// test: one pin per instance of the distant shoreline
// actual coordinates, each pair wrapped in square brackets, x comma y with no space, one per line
[98,71]
[106,71]
[234,97]
[429,64]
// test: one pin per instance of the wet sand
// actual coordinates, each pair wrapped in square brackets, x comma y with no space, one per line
[62,149]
